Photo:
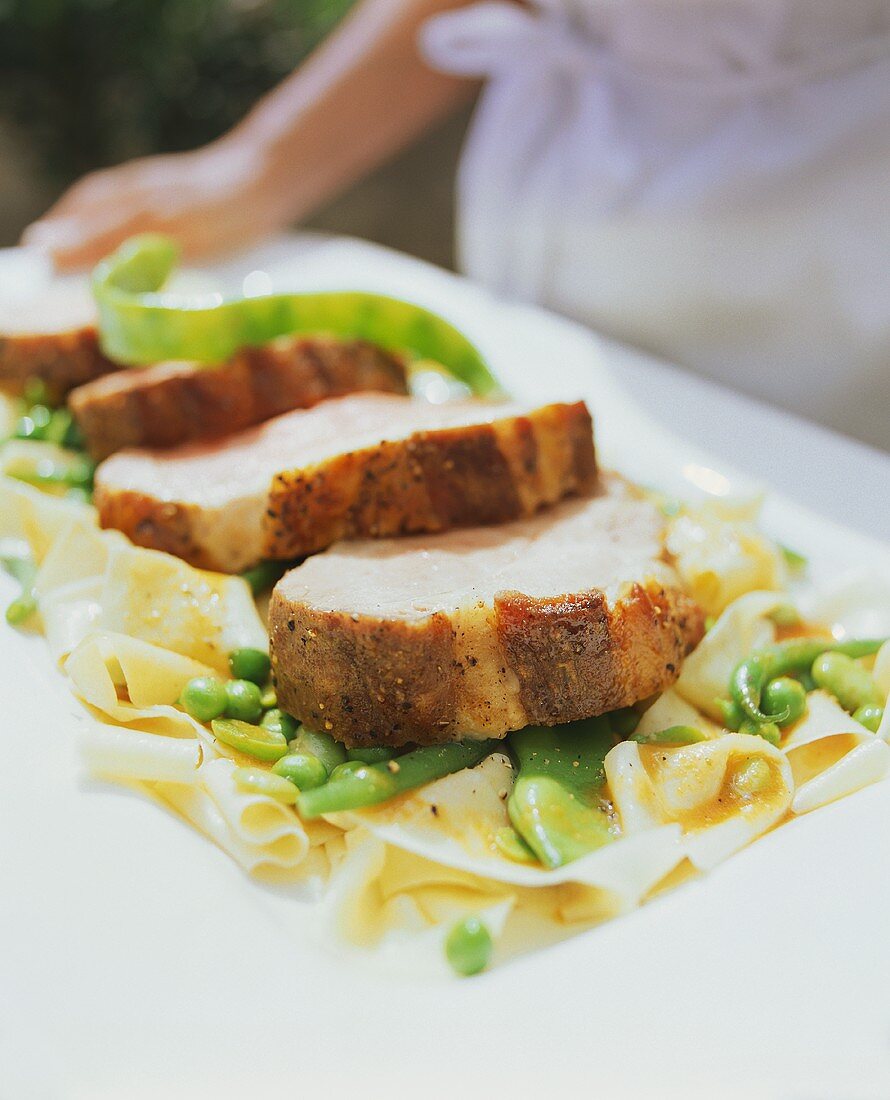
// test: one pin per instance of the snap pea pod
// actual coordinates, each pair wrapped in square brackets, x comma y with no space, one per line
[367,784]
[751,675]
[847,681]
[137,324]
[554,804]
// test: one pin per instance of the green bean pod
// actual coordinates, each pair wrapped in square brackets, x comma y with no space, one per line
[360,785]
[555,801]
[846,680]
[751,675]
[138,325]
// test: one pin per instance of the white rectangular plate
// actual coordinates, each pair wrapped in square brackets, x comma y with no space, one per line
[137,960]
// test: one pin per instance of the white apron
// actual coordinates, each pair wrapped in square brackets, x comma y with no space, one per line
[707,179]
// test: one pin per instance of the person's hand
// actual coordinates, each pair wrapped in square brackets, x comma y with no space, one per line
[211,199]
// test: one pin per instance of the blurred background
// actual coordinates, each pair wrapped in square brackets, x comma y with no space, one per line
[89,83]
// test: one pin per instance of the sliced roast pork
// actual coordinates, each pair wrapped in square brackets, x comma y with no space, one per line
[473,633]
[174,403]
[365,465]
[54,340]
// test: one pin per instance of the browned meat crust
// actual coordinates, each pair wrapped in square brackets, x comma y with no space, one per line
[434,480]
[430,481]
[382,681]
[61,360]
[174,403]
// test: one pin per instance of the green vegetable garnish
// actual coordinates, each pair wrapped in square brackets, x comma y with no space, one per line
[138,323]
[302,770]
[354,785]
[250,664]
[204,698]
[252,740]
[468,946]
[260,781]
[555,801]
[244,701]
[846,680]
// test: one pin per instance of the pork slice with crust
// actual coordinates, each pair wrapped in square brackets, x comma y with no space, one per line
[54,340]
[173,403]
[473,633]
[366,465]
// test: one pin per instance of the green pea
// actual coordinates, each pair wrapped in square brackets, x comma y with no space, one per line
[243,700]
[250,664]
[769,731]
[733,715]
[468,946]
[349,767]
[751,779]
[302,770]
[269,698]
[330,752]
[251,740]
[260,781]
[624,721]
[21,609]
[265,575]
[673,735]
[374,754]
[784,694]
[277,720]
[869,715]
[845,679]
[204,698]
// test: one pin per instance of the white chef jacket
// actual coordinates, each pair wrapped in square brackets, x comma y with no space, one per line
[707,179]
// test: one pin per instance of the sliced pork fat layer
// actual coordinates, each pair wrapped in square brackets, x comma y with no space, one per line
[365,465]
[473,633]
[174,403]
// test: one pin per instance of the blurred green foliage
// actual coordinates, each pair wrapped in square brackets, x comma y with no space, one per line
[94,82]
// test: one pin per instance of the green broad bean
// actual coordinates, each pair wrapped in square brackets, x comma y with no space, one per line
[260,781]
[138,325]
[841,676]
[330,752]
[244,700]
[673,735]
[784,696]
[511,845]
[468,946]
[204,698]
[268,745]
[302,770]
[555,801]
[250,664]
[276,719]
[869,715]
